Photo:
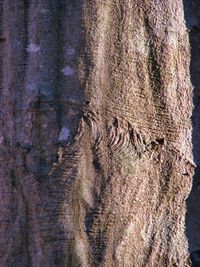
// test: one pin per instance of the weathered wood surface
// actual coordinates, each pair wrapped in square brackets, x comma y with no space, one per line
[95,133]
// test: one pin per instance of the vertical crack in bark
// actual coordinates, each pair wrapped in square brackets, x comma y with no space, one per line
[2,43]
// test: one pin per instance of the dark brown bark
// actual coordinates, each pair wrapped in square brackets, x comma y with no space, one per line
[96,159]
[192,13]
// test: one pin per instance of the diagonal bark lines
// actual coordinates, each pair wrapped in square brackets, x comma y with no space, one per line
[96,142]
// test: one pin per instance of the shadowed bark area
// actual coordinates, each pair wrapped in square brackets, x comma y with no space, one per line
[192,16]
[95,133]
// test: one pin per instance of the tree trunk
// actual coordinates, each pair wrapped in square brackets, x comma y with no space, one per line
[96,160]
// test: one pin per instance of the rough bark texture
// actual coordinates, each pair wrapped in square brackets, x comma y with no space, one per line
[96,160]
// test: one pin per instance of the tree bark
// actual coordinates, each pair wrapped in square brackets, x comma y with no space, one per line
[96,160]
[192,13]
